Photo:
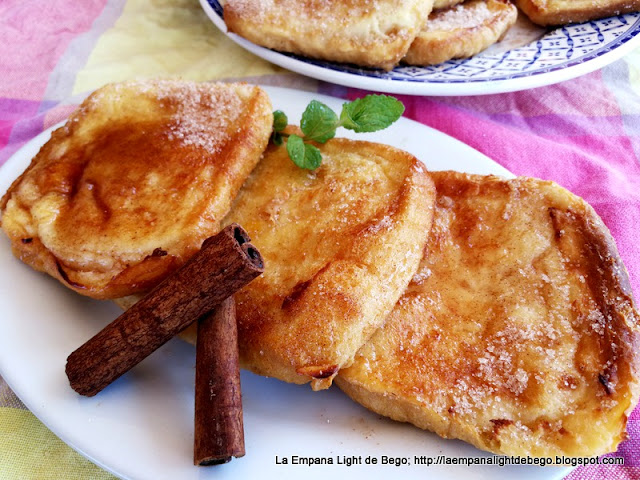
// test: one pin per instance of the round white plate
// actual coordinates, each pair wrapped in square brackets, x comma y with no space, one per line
[141,426]
[538,57]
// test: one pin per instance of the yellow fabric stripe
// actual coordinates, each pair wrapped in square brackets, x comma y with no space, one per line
[166,38]
[29,451]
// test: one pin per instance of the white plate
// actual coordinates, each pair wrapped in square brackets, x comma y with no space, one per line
[527,57]
[141,427]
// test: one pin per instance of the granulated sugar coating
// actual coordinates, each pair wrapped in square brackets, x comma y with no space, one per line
[141,167]
[200,113]
[460,16]
[313,9]
[518,332]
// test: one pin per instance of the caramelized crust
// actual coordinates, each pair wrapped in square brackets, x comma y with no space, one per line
[518,333]
[560,12]
[126,191]
[364,32]
[461,31]
[340,244]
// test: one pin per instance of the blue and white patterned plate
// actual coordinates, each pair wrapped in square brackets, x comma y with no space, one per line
[557,55]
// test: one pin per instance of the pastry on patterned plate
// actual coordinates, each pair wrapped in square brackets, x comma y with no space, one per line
[461,31]
[518,334]
[364,32]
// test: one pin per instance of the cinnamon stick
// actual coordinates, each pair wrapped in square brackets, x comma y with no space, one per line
[218,434]
[226,263]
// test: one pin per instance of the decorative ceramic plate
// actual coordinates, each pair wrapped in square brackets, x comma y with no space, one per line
[528,57]
[141,426]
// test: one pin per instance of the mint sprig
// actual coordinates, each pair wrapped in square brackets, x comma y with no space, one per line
[319,124]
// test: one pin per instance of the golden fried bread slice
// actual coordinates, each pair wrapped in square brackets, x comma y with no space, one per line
[518,333]
[372,34]
[461,31]
[560,12]
[339,244]
[141,173]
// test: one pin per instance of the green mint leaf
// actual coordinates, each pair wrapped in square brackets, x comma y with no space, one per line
[295,149]
[371,113]
[280,120]
[303,155]
[276,138]
[318,122]
[312,156]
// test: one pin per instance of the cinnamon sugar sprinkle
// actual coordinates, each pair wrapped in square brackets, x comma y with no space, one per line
[258,9]
[460,16]
[201,113]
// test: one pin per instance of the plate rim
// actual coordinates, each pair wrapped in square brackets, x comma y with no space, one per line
[600,58]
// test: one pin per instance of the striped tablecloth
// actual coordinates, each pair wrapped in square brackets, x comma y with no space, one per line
[584,134]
